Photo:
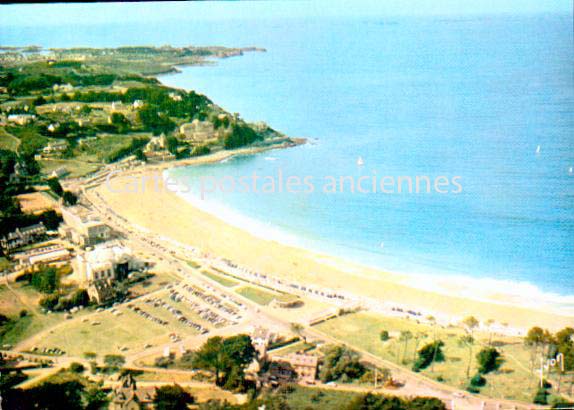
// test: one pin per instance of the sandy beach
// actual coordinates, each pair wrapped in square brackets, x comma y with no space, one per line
[165,213]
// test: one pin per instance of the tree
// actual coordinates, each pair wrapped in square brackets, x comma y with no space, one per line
[541,396]
[225,357]
[69,198]
[434,323]
[240,136]
[114,361]
[489,359]
[76,367]
[477,380]
[90,355]
[95,398]
[470,323]
[405,336]
[341,363]
[428,354]
[298,328]
[565,346]
[418,337]
[534,339]
[384,335]
[172,398]
[118,119]
[467,341]
[45,280]
[55,186]
[47,396]
[489,324]
[211,357]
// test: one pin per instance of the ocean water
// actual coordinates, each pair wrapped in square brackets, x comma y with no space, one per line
[472,96]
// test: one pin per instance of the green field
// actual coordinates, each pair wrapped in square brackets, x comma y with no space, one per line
[4,263]
[8,141]
[75,168]
[220,279]
[12,302]
[362,330]
[318,399]
[128,330]
[259,296]
[98,150]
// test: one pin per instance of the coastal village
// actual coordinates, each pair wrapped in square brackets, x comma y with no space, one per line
[124,316]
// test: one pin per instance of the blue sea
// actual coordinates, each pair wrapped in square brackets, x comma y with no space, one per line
[485,97]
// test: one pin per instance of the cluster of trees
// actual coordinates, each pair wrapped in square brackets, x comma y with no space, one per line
[279,400]
[377,402]
[429,354]
[58,303]
[11,215]
[68,197]
[80,394]
[542,342]
[135,146]
[42,79]
[45,279]
[241,135]
[544,345]
[341,364]
[227,358]
[30,141]
[489,359]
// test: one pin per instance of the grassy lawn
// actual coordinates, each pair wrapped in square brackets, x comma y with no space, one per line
[292,348]
[312,398]
[8,141]
[512,381]
[99,149]
[23,298]
[75,168]
[4,263]
[220,279]
[259,296]
[264,297]
[126,330]
[201,394]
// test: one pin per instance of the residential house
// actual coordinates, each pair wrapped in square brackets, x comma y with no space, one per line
[303,365]
[197,131]
[21,119]
[55,148]
[128,396]
[23,236]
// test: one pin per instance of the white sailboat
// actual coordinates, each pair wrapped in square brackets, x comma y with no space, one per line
[360,161]
[538,149]
[571,170]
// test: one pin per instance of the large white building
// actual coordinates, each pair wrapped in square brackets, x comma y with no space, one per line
[82,227]
[105,262]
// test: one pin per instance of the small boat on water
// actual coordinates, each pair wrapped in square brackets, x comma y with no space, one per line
[571,170]
[360,161]
[538,149]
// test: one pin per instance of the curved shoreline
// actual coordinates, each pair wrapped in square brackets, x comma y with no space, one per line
[167,214]
[486,289]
